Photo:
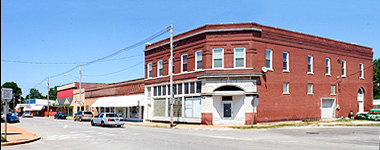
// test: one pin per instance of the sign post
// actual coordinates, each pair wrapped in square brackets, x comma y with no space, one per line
[254,103]
[6,95]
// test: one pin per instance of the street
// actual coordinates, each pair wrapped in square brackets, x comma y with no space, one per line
[67,134]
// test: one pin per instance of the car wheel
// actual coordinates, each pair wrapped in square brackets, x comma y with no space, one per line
[118,125]
[92,123]
[80,119]
[102,124]
[75,119]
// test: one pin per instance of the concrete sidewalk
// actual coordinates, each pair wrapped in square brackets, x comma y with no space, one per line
[16,135]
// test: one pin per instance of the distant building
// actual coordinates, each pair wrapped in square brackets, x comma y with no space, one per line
[376,104]
[36,106]
[220,68]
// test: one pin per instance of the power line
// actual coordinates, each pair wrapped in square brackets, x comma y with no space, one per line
[115,71]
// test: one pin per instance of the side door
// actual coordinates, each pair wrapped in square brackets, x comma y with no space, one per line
[99,118]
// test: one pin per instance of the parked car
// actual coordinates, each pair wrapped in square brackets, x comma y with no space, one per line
[361,115]
[27,114]
[12,117]
[59,115]
[83,115]
[19,114]
[110,119]
[374,114]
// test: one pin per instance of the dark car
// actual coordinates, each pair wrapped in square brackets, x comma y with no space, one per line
[59,116]
[12,117]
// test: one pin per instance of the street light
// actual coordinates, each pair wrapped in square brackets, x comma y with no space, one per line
[80,85]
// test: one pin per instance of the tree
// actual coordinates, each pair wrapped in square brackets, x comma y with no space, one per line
[15,90]
[53,93]
[376,79]
[34,94]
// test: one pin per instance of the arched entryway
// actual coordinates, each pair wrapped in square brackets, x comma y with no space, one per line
[361,99]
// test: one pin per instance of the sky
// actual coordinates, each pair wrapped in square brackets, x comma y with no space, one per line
[50,38]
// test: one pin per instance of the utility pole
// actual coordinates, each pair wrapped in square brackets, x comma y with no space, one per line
[80,87]
[171,76]
[48,109]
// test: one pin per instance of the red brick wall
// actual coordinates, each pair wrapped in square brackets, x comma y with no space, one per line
[122,88]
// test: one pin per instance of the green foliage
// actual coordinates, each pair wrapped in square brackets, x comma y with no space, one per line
[34,94]
[53,93]
[376,79]
[2,139]
[15,90]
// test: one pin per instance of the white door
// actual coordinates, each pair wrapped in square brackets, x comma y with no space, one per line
[360,100]
[361,106]
[197,107]
[327,109]
[193,107]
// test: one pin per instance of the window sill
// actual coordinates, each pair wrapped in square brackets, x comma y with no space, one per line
[270,69]
[343,76]
[361,78]
[329,75]
[333,94]
[310,73]
[286,71]
[285,93]
[310,93]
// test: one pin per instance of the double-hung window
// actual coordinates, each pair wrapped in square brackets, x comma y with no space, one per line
[310,88]
[310,64]
[149,70]
[198,60]
[239,57]
[328,67]
[344,69]
[361,71]
[285,61]
[332,90]
[268,59]
[159,68]
[217,58]
[184,62]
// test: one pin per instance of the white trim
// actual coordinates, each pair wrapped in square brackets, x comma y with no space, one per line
[287,62]
[270,58]
[213,54]
[312,89]
[150,68]
[182,63]
[287,88]
[196,59]
[329,65]
[158,68]
[344,66]
[244,57]
[311,64]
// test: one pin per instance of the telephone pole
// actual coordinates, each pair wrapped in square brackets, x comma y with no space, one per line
[171,76]
[48,109]
[80,87]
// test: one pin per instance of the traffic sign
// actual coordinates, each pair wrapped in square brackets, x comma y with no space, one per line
[6,94]
[254,102]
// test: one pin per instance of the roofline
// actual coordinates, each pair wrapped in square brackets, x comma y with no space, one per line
[206,31]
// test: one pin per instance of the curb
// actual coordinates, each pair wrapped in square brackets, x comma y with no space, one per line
[20,142]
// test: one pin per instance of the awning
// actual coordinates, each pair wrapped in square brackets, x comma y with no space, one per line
[33,108]
[119,101]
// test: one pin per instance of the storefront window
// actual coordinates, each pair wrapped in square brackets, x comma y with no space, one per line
[159,107]
[134,111]
[177,108]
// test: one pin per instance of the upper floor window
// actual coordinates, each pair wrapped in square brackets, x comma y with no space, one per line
[268,58]
[332,90]
[285,61]
[310,64]
[239,57]
[328,66]
[217,58]
[344,68]
[184,62]
[285,88]
[149,70]
[159,68]
[361,71]
[198,59]
[310,88]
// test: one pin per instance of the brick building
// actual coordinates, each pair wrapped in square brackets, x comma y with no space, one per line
[220,68]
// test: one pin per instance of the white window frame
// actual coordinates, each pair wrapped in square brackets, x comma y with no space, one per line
[334,89]
[287,92]
[311,64]
[213,57]
[344,68]
[287,62]
[328,73]
[311,89]
[243,57]
[270,59]
[149,65]
[196,59]
[159,66]
[186,63]
[361,67]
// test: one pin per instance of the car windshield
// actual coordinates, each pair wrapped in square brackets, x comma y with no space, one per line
[111,115]
[88,113]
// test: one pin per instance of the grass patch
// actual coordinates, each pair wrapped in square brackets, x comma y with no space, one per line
[357,125]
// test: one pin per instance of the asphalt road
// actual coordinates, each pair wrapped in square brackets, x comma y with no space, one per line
[67,134]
